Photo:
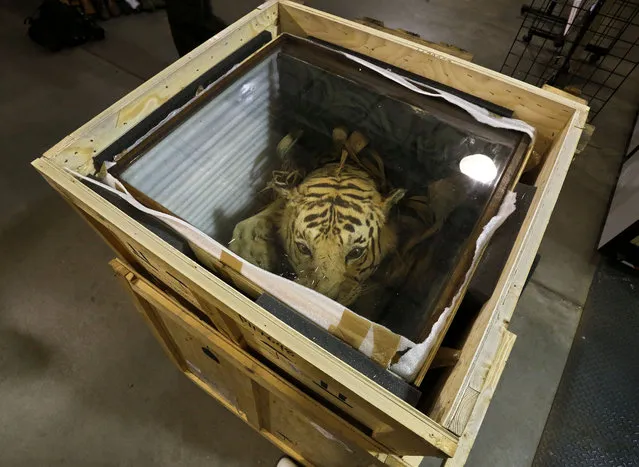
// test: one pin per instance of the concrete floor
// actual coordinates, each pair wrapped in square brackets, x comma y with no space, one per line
[82,382]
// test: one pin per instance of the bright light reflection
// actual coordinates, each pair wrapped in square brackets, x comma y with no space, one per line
[478,167]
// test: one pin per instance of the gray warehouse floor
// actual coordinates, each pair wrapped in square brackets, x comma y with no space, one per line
[82,381]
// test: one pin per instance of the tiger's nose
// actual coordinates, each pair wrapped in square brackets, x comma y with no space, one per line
[328,288]
[320,283]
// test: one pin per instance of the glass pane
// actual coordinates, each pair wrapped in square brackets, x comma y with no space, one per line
[374,194]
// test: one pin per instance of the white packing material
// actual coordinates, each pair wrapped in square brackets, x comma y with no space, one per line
[480,114]
[410,363]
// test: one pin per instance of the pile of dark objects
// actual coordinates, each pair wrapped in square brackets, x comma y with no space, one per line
[58,24]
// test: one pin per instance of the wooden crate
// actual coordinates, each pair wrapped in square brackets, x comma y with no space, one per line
[449,427]
[299,425]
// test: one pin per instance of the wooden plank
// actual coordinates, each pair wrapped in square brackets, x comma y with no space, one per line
[481,346]
[547,112]
[76,151]
[203,361]
[211,391]
[263,408]
[284,447]
[464,410]
[445,48]
[228,354]
[155,324]
[391,437]
[261,423]
[451,394]
[313,439]
[242,387]
[225,325]
[169,259]
[249,400]
[588,129]
[288,450]
[567,95]
[483,401]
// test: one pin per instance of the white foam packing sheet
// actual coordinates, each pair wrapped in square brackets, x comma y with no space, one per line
[318,308]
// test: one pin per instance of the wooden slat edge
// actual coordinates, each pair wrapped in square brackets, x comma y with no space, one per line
[403,461]
[547,111]
[158,329]
[445,48]
[285,448]
[501,306]
[395,408]
[292,6]
[567,95]
[467,440]
[76,151]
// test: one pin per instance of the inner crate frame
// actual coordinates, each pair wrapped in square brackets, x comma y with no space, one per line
[332,61]
[449,426]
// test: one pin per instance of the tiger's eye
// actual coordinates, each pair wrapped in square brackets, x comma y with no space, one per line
[355,253]
[303,249]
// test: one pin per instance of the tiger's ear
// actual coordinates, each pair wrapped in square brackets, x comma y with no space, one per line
[392,199]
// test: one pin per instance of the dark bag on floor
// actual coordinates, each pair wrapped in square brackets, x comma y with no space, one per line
[57,25]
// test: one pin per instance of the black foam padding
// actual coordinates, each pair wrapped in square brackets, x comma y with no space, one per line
[494,108]
[181,98]
[340,349]
[492,262]
[594,420]
[150,222]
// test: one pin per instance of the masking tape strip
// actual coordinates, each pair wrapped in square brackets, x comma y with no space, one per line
[230,269]
[351,328]
[231,261]
[385,345]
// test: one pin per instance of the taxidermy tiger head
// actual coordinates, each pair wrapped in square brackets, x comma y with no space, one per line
[335,231]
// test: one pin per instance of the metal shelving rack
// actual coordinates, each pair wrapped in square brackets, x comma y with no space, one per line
[586,47]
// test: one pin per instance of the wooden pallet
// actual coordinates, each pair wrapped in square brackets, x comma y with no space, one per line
[367,418]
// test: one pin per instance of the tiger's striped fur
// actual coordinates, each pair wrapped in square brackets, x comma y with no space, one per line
[333,227]
[334,230]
